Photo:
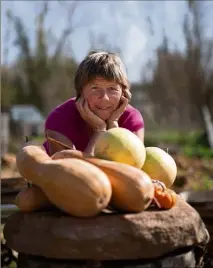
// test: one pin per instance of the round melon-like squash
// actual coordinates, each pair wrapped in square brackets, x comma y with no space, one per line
[159,165]
[120,145]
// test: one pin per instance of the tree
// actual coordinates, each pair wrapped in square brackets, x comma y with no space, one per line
[199,57]
[35,68]
[182,82]
[101,42]
[7,90]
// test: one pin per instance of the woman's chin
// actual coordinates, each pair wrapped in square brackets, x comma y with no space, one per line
[104,115]
[104,118]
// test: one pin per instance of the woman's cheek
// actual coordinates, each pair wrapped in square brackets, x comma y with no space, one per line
[116,101]
[91,101]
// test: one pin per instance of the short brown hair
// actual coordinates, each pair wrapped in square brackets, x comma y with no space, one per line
[100,64]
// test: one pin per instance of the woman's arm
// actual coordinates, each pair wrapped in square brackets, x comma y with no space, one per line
[140,134]
[96,123]
[91,145]
[112,124]
[53,147]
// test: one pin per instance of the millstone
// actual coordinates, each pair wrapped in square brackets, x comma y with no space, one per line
[109,236]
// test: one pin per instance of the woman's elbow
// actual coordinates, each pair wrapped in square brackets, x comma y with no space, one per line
[140,134]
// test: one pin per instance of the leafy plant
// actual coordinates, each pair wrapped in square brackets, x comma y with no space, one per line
[198,151]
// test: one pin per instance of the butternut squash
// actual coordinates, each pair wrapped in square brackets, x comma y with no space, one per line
[31,199]
[132,188]
[73,185]
[71,154]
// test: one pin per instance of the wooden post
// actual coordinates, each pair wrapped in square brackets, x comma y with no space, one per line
[4,133]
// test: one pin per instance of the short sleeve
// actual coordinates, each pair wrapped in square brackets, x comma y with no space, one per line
[56,121]
[61,118]
[132,120]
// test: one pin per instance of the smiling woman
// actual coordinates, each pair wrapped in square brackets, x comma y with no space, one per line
[102,102]
[103,96]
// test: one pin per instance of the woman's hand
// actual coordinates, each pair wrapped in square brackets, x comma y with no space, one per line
[118,112]
[113,120]
[92,119]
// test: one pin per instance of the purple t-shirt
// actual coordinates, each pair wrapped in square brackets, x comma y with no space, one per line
[66,120]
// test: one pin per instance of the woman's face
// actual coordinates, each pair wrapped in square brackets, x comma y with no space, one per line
[103,96]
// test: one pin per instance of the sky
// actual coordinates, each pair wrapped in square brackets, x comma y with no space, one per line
[123,23]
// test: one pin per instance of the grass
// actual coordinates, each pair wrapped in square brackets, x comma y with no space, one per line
[15,143]
[205,184]
[198,180]
[39,139]
[173,137]
[198,152]
[12,265]
[192,144]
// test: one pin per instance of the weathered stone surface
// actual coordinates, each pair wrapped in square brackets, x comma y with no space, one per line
[149,234]
[202,201]
[184,260]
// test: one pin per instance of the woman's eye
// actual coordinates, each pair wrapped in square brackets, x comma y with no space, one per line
[113,90]
[96,90]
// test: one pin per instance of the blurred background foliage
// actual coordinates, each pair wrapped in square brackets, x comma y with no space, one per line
[174,92]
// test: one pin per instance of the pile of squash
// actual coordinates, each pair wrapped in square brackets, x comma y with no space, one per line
[83,185]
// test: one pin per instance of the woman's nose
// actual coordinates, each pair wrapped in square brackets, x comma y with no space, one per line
[104,96]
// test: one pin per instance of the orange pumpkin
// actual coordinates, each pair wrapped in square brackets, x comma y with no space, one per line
[164,197]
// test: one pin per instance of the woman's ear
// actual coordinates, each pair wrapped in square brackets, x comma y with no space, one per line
[127,93]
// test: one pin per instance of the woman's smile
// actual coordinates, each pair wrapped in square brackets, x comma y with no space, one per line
[104,108]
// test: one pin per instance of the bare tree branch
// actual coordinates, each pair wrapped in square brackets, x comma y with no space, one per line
[69,28]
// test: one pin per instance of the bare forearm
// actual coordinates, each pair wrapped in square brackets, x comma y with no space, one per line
[58,142]
[112,124]
[91,145]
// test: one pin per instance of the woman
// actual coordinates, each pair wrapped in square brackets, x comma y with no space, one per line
[102,102]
